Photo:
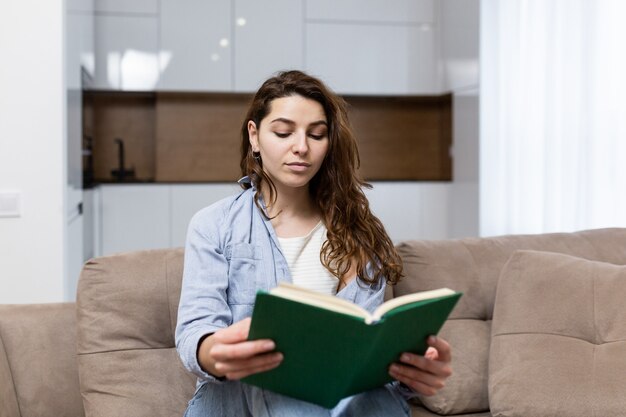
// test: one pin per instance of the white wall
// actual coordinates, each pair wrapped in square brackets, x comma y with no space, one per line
[32,159]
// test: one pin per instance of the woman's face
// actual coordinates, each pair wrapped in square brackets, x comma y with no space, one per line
[292,140]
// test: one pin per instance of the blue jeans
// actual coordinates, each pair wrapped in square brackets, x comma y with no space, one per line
[235,399]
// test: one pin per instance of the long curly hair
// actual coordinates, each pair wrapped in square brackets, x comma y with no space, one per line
[355,235]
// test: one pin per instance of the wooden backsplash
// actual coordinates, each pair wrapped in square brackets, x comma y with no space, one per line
[197,136]
[406,138]
[194,137]
[127,116]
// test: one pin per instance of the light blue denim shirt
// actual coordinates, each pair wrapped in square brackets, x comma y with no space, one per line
[232,252]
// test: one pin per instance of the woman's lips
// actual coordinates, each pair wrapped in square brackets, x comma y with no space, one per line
[298,166]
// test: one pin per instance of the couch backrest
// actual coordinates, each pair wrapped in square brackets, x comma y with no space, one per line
[126,310]
[38,369]
[473,266]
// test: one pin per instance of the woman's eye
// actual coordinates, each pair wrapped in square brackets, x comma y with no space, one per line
[317,137]
[282,135]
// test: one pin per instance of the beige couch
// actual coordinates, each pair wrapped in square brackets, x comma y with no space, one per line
[537,333]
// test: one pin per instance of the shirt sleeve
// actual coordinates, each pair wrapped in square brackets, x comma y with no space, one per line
[203,307]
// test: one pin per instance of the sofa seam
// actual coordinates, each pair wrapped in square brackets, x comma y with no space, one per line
[167,298]
[19,409]
[124,350]
[557,334]
[593,301]
[593,378]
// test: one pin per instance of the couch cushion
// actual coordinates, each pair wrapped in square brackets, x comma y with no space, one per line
[38,370]
[417,411]
[473,266]
[127,308]
[558,338]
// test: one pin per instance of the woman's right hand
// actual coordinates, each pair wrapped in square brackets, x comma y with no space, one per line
[228,353]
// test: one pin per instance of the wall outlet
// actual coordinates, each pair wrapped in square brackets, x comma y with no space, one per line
[10,204]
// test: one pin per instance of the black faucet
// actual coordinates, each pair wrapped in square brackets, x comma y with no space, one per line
[121,173]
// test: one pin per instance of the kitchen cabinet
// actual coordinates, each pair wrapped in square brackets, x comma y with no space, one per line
[227,45]
[126,52]
[124,6]
[358,47]
[267,39]
[134,217]
[195,52]
[149,216]
[80,48]
[188,199]
[79,6]
[368,47]
[368,11]
[411,210]
[373,59]
[460,41]
[79,69]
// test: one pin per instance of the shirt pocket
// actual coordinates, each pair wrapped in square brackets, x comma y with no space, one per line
[243,269]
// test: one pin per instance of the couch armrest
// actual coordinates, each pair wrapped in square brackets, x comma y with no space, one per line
[38,363]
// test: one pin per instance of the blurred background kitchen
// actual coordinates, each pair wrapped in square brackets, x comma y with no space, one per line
[120,119]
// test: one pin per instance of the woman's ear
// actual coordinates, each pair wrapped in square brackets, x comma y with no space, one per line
[253,135]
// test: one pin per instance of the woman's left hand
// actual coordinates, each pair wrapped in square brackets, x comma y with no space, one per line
[425,374]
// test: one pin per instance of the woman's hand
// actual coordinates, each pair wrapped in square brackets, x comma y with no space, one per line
[227,353]
[425,374]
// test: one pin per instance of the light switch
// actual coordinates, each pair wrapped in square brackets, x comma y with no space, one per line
[10,204]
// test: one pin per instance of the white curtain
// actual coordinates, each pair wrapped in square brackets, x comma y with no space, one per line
[553,115]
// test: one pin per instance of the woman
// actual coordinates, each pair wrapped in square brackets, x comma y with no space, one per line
[302,218]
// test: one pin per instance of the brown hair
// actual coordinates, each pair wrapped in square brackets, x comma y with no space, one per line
[354,233]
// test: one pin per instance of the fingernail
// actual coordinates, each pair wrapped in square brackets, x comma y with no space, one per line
[405,357]
[269,345]
[432,340]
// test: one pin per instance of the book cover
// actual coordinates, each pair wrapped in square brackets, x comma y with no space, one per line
[331,355]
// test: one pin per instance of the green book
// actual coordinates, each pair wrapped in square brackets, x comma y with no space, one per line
[333,348]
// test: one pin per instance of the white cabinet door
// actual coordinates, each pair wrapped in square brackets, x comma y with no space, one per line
[80,48]
[74,256]
[89,224]
[460,40]
[79,6]
[373,59]
[125,6]
[134,217]
[188,199]
[195,45]
[411,210]
[126,52]
[267,40]
[413,11]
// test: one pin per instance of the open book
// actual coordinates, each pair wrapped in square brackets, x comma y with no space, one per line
[330,302]
[333,348]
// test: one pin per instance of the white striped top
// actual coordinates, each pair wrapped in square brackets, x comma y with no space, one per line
[303,257]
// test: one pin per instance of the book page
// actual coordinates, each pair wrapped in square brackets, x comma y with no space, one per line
[328,302]
[408,299]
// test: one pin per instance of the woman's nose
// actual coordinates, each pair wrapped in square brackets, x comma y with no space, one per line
[300,145]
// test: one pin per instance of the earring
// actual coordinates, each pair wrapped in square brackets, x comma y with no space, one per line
[256,156]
